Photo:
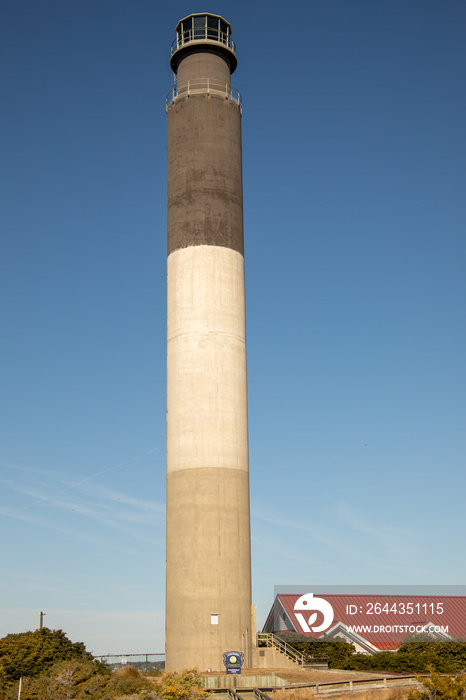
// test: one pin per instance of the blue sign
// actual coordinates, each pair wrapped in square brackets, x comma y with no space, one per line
[233,661]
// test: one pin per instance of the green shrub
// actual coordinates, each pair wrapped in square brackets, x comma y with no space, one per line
[185,685]
[82,680]
[128,681]
[66,680]
[437,687]
[31,653]
[416,655]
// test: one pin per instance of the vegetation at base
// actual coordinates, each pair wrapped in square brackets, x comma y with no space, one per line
[295,694]
[74,680]
[437,687]
[185,685]
[51,667]
[149,668]
[417,655]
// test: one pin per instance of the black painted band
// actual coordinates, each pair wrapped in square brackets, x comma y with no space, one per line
[204,178]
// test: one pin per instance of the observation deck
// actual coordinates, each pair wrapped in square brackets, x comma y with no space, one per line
[202,30]
[204,86]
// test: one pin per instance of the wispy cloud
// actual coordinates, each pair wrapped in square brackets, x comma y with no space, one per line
[75,484]
[287,553]
[135,517]
[313,530]
[116,496]
[353,537]
[30,470]
[77,533]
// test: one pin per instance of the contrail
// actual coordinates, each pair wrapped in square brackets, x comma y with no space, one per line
[88,478]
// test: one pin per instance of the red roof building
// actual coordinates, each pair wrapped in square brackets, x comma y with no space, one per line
[371,622]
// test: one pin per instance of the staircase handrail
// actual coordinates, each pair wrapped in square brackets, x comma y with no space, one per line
[271,640]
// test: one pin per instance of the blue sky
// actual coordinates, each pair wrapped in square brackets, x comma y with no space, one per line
[354,160]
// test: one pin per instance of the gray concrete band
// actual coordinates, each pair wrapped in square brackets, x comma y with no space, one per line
[208,566]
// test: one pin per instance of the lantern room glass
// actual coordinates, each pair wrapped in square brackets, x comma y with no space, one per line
[202,27]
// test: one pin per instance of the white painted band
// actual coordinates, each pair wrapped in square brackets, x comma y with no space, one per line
[206,359]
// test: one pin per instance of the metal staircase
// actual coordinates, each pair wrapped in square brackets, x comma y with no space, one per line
[266,639]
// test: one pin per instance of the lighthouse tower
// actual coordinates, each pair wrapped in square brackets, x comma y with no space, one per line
[208,595]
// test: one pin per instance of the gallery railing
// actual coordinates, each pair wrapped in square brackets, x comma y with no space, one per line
[204,86]
[203,34]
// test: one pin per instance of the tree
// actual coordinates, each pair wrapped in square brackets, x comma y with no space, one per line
[32,653]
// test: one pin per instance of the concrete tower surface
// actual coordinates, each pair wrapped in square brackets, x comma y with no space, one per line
[208,597]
